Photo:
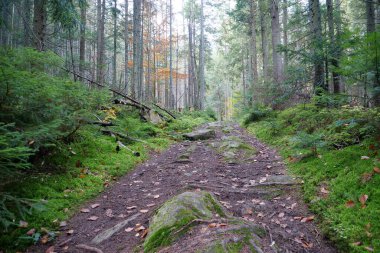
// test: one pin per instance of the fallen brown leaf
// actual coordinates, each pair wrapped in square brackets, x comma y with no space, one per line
[93,206]
[369,249]
[140,228]
[131,207]
[156,196]
[63,224]
[44,239]
[376,170]
[357,243]
[109,213]
[145,233]
[324,190]
[31,232]
[93,218]
[50,250]
[350,204]
[366,177]
[308,219]
[212,225]
[144,211]
[84,210]
[70,232]
[130,229]
[23,224]
[363,199]
[364,157]
[281,215]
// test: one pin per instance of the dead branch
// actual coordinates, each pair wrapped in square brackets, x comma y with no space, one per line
[135,153]
[167,111]
[88,248]
[123,136]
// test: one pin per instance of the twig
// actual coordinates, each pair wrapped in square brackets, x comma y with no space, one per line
[88,248]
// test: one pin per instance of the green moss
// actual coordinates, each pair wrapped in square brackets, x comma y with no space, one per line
[339,168]
[174,218]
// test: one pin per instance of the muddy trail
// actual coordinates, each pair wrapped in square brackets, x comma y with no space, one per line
[248,178]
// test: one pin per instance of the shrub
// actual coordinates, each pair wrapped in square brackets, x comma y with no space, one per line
[256,113]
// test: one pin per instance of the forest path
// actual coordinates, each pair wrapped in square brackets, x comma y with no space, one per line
[245,175]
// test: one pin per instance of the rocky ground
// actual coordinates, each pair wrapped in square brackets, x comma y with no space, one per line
[261,209]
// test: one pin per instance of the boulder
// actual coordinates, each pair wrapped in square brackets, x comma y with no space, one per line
[176,215]
[196,222]
[202,134]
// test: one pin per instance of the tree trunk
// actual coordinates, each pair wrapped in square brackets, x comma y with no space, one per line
[27,34]
[253,51]
[39,24]
[264,39]
[82,40]
[316,30]
[276,42]
[371,28]
[114,62]
[171,102]
[126,48]
[202,81]
[136,46]
[285,31]
[332,51]
[100,42]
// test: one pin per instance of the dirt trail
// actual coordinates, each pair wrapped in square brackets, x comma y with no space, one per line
[246,176]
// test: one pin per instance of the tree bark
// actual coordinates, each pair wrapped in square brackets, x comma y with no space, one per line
[136,46]
[316,30]
[126,48]
[332,52]
[285,31]
[82,39]
[264,39]
[253,51]
[276,42]
[114,58]
[39,24]
[100,42]
[202,81]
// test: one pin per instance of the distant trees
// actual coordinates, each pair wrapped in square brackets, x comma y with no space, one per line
[134,49]
[311,51]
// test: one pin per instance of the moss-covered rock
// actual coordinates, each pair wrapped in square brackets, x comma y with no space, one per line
[176,215]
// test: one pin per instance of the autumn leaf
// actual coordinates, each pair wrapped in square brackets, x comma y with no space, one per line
[350,204]
[144,211]
[31,232]
[324,190]
[357,243]
[85,210]
[364,157]
[63,224]
[23,224]
[376,170]
[50,250]
[145,233]
[308,219]
[93,218]
[130,229]
[156,196]
[366,177]
[70,232]
[44,239]
[140,228]
[93,206]
[363,199]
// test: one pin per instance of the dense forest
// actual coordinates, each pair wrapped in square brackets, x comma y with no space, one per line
[90,91]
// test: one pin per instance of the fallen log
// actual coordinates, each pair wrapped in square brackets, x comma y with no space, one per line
[110,89]
[101,123]
[123,136]
[172,115]
[135,153]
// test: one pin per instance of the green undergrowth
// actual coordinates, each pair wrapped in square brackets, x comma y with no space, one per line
[51,159]
[335,152]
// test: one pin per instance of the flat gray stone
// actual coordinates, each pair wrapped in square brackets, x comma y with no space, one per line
[106,234]
[202,134]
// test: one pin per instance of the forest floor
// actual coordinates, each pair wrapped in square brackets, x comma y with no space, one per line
[246,176]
